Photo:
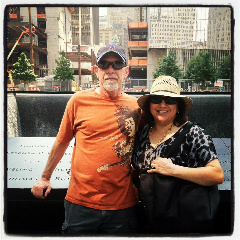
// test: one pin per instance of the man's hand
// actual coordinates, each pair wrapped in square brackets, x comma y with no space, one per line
[43,187]
[38,189]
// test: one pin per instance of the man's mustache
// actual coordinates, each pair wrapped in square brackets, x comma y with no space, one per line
[110,76]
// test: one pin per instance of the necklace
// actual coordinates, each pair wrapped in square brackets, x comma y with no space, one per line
[166,133]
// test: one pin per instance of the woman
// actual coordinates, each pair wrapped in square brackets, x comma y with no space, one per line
[195,160]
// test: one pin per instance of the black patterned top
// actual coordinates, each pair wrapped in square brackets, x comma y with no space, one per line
[197,149]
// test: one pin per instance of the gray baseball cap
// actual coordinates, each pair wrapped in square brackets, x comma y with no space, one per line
[111,48]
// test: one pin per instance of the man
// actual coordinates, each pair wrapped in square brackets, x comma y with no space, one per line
[101,197]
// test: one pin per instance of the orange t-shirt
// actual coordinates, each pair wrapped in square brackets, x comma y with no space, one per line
[104,132]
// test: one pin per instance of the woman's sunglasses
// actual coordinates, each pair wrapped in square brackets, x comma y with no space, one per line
[117,65]
[167,100]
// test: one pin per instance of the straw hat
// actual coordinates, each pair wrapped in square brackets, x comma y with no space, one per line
[164,86]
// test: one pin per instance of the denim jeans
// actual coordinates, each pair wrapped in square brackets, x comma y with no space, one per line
[80,219]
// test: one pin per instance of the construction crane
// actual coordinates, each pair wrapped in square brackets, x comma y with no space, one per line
[9,72]
[26,31]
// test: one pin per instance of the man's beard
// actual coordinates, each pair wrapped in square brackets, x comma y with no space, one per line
[110,85]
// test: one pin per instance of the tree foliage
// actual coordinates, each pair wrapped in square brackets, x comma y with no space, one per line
[63,71]
[201,68]
[224,69]
[23,69]
[168,66]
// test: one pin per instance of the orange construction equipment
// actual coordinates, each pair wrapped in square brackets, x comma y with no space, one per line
[26,31]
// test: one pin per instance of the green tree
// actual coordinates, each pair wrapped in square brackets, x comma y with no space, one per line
[168,66]
[23,69]
[201,68]
[63,71]
[224,69]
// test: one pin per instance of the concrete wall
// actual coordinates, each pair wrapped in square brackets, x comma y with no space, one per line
[59,37]
[25,14]
[154,55]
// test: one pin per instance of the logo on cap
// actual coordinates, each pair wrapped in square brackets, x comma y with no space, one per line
[110,46]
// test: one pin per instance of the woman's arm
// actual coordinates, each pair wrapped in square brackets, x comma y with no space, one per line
[208,175]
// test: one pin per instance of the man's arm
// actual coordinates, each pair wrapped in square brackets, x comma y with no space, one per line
[56,154]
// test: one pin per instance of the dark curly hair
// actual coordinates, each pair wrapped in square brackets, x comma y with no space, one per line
[181,117]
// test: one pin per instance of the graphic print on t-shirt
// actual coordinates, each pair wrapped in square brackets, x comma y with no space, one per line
[127,122]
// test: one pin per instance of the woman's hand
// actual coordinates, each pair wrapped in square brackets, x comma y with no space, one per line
[208,175]
[163,166]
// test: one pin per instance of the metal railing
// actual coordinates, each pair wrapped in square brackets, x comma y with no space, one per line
[186,85]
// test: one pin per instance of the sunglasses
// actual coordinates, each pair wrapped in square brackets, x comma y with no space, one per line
[167,100]
[117,65]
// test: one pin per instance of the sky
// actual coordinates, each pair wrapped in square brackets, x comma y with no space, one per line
[102,11]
